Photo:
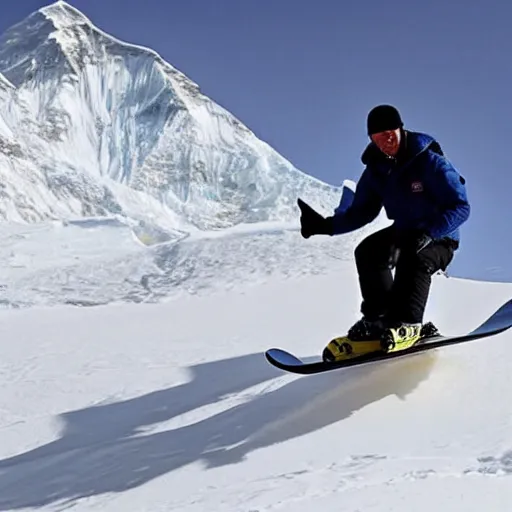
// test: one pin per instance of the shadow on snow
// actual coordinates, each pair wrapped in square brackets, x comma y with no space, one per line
[103,449]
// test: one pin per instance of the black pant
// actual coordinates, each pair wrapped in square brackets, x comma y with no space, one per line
[404,297]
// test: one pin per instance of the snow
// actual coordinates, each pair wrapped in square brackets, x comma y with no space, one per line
[171,405]
[150,254]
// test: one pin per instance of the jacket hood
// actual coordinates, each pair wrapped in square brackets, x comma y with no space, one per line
[415,143]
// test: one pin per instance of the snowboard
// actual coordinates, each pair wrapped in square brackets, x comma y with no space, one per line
[499,321]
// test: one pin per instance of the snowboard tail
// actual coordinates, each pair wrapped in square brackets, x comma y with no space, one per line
[498,322]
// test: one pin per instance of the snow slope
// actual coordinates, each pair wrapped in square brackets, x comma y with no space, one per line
[172,406]
[105,260]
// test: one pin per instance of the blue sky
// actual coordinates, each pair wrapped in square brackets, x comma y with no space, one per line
[303,75]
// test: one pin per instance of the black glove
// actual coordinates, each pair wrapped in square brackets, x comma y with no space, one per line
[312,223]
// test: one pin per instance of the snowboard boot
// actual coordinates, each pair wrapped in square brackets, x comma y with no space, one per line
[362,338]
[367,336]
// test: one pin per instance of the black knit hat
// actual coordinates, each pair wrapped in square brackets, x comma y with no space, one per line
[382,118]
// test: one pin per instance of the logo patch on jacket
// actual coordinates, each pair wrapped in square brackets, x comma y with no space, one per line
[417,186]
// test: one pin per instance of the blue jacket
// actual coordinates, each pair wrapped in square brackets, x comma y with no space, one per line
[419,190]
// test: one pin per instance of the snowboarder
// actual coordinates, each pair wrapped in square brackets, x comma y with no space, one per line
[407,173]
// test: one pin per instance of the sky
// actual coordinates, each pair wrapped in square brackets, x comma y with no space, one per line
[304,74]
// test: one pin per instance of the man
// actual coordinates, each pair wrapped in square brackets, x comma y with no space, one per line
[408,175]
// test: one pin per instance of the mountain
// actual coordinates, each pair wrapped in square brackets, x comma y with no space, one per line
[103,143]
[93,126]
[172,406]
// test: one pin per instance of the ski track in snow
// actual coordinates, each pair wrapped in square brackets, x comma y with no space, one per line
[356,474]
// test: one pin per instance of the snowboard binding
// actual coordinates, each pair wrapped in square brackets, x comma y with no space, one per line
[367,337]
[389,337]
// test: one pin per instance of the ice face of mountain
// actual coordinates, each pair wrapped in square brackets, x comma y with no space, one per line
[90,125]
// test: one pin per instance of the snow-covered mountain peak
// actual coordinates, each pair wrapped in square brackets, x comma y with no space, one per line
[64,15]
[104,127]
[72,32]
[36,42]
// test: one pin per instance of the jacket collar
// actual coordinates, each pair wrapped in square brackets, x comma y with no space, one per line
[413,144]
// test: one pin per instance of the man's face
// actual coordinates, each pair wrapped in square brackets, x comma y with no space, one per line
[388,142]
